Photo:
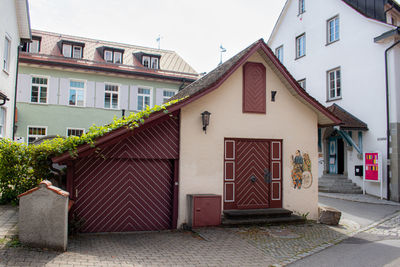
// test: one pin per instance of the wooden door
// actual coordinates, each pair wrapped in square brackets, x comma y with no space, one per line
[252,174]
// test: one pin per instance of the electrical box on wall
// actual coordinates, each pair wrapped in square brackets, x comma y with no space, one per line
[204,210]
[358,170]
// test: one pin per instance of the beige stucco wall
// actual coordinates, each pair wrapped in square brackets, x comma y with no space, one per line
[201,155]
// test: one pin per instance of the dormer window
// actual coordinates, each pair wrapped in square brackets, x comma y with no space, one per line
[154,63]
[72,49]
[146,61]
[32,47]
[112,55]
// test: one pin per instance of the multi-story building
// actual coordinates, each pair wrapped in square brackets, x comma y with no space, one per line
[14,28]
[67,83]
[346,54]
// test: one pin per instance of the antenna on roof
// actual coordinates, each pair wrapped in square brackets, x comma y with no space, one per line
[221,50]
[158,40]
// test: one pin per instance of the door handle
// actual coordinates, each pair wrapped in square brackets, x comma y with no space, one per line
[267,176]
[253,179]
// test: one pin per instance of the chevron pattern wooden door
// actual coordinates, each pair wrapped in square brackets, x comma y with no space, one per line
[252,174]
[122,195]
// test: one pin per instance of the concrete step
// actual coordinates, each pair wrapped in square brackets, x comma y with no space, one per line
[334,176]
[341,190]
[266,220]
[257,213]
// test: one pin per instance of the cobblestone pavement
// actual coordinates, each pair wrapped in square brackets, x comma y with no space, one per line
[359,198]
[8,220]
[388,229]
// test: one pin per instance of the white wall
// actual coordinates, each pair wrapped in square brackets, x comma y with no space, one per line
[361,61]
[9,27]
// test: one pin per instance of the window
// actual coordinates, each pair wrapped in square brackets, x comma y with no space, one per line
[154,63]
[39,90]
[32,47]
[74,51]
[302,83]
[35,132]
[75,132]
[2,121]
[76,93]
[334,84]
[111,96]
[108,56]
[143,98]
[167,94]
[333,30]
[302,8]
[6,55]
[113,56]
[301,46]
[146,62]
[279,53]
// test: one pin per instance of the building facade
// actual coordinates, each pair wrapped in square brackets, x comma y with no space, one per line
[336,51]
[66,83]
[14,28]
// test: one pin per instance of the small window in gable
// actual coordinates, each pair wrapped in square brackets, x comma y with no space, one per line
[72,49]
[254,88]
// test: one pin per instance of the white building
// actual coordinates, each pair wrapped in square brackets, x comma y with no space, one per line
[14,27]
[336,50]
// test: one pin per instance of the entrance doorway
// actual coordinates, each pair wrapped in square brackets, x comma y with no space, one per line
[336,155]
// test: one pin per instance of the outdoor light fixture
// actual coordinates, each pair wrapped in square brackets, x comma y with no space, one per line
[273,94]
[205,118]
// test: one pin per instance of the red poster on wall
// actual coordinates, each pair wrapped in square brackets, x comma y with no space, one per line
[372,167]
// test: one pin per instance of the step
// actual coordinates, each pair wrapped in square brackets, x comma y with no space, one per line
[343,177]
[275,220]
[342,191]
[256,213]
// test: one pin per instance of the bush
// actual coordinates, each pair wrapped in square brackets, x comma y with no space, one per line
[22,167]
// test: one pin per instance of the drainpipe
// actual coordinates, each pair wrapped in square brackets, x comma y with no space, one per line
[387,119]
[15,96]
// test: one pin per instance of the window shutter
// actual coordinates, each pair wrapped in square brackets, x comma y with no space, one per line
[123,97]
[133,98]
[52,90]
[64,91]
[159,96]
[90,88]
[254,88]
[24,88]
[100,95]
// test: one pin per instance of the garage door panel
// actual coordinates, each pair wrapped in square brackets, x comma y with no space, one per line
[124,195]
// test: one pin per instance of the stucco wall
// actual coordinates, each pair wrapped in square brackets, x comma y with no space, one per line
[201,155]
[362,77]
[9,28]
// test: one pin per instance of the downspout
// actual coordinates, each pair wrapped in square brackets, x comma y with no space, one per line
[387,120]
[15,96]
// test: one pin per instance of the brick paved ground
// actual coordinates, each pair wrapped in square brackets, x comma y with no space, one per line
[8,220]
[244,246]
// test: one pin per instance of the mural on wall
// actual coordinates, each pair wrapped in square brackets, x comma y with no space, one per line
[301,172]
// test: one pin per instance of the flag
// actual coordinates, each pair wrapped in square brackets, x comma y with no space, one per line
[222,48]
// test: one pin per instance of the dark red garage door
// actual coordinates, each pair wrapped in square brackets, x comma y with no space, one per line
[129,186]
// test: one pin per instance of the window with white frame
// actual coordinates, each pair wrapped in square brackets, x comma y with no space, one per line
[146,61]
[302,83]
[154,63]
[301,45]
[39,90]
[279,53]
[67,50]
[77,52]
[35,132]
[334,84]
[32,47]
[74,51]
[2,121]
[111,96]
[75,131]
[144,95]
[333,29]
[108,56]
[6,55]
[77,93]
[167,94]
[118,57]
[113,56]
[302,7]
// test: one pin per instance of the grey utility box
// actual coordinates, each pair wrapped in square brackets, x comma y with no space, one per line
[43,217]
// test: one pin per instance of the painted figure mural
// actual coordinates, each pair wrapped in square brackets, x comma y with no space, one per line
[301,172]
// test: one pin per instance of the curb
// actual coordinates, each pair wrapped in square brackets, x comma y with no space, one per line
[336,241]
[391,203]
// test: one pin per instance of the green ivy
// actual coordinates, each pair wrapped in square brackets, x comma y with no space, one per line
[22,167]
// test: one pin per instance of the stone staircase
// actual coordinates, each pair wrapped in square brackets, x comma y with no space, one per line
[334,183]
[260,216]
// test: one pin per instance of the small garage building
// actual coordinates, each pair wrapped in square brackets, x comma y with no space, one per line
[262,125]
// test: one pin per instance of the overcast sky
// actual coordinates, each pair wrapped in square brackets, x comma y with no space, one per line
[194,29]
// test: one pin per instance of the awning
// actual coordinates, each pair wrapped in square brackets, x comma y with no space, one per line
[349,122]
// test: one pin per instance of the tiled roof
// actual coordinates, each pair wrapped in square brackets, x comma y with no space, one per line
[374,9]
[348,120]
[48,185]
[170,60]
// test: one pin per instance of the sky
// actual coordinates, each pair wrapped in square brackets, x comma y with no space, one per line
[195,29]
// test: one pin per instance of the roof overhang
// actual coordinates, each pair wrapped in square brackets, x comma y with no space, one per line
[392,35]
[23,19]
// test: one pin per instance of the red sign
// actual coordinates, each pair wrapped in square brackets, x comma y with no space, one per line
[371,165]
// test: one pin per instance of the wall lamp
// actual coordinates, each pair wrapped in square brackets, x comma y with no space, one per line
[205,118]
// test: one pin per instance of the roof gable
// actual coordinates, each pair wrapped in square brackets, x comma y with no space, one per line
[215,78]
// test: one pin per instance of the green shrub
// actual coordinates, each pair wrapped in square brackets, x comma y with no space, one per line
[22,167]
